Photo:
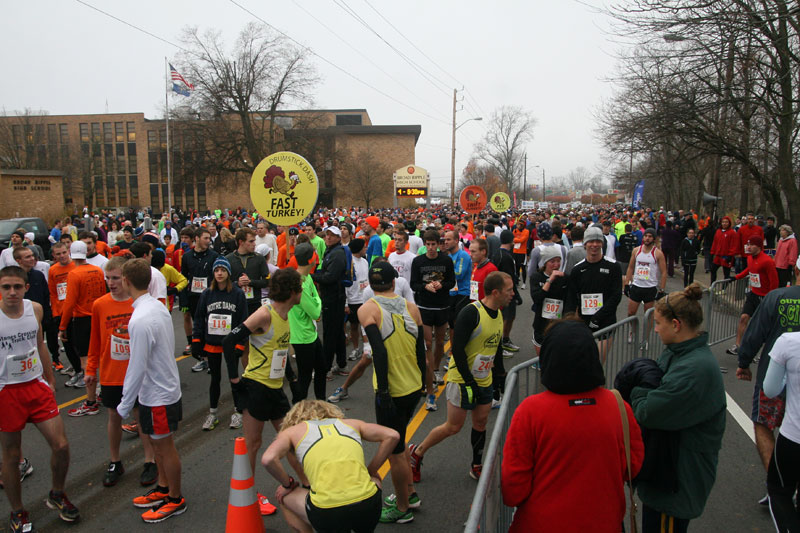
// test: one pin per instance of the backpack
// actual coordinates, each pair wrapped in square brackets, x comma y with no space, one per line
[349,270]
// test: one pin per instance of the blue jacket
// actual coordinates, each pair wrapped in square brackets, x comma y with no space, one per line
[462,264]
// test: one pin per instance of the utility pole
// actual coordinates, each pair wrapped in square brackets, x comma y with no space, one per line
[453,156]
[544,189]
[525,178]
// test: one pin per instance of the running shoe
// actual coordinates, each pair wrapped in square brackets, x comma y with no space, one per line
[114,472]
[264,506]
[413,501]
[355,355]
[510,346]
[236,421]
[507,354]
[522,285]
[67,371]
[496,403]
[210,422]
[475,471]
[329,375]
[733,350]
[187,350]
[339,394]
[430,403]
[200,366]
[80,383]
[25,469]
[152,498]
[58,367]
[393,515]
[20,523]
[149,474]
[416,463]
[66,511]
[131,429]
[85,409]
[165,510]
[74,379]
[340,371]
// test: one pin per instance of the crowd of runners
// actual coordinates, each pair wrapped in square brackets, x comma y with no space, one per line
[427,297]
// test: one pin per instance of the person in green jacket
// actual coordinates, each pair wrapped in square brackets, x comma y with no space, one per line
[689,403]
[303,332]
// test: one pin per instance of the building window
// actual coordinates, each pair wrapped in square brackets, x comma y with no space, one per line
[96,132]
[162,138]
[152,140]
[108,136]
[64,133]
[348,120]
[107,149]
[131,131]
[154,195]
[134,182]
[122,190]
[121,165]
[131,148]
[84,133]
[131,164]
[119,132]
[120,149]
[52,134]
[201,196]
[165,195]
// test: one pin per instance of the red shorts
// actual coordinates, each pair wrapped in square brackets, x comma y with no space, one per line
[33,401]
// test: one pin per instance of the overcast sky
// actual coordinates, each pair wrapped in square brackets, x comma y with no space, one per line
[549,57]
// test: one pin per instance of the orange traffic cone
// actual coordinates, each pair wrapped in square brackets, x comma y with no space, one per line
[243,513]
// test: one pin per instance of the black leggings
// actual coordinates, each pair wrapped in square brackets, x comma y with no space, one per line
[688,273]
[519,264]
[783,480]
[310,359]
[215,365]
[726,271]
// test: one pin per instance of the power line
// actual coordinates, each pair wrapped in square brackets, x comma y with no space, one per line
[424,73]
[337,67]
[403,35]
[137,28]
[359,52]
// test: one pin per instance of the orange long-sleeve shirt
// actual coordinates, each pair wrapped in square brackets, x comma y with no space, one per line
[109,346]
[521,241]
[85,284]
[57,284]
[284,254]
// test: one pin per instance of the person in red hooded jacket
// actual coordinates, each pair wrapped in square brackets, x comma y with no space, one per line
[725,247]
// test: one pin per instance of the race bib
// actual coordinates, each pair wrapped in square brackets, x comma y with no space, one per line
[482,365]
[362,285]
[219,324]
[755,280]
[642,272]
[23,368]
[265,300]
[278,368]
[248,292]
[517,245]
[473,290]
[120,348]
[591,303]
[61,290]
[552,308]
[199,284]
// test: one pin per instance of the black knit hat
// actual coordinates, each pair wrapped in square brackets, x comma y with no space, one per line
[569,359]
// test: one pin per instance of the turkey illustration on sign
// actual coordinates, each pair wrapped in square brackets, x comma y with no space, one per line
[500,202]
[284,188]
[473,199]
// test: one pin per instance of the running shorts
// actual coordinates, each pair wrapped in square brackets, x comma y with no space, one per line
[404,410]
[453,393]
[264,403]
[434,317]
[33,401]
[160,421]
[352,316]
[751,303]
[359,516]
[643,295]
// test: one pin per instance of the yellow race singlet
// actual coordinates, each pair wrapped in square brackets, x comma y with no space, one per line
[333,459]
[399,333]
[481,348]
[269,352]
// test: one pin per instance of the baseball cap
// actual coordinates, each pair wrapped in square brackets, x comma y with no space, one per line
[382,273]
[335,230]
[77,250]
[593,234]
[303,253]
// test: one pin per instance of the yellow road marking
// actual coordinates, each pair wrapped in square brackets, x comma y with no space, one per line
[415,422]
[81,398]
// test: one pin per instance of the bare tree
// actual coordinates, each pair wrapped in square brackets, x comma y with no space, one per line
[238,93]
[580,179]
[503,147]
[23,140]
[363,178]
[482,175]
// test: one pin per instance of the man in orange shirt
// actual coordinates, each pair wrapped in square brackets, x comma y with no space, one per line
[109,350]
[287,250]
[85,284]
[57,285]
[520,250]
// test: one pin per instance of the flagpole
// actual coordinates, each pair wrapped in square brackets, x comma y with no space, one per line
[169,166]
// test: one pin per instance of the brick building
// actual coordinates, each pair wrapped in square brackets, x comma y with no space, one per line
[31,193]
[120,160]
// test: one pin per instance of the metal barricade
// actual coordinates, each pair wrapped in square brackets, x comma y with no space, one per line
[488,512]
[723,308]
[618,344]
[651,342]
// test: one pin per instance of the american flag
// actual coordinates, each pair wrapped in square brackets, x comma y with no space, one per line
[176,77]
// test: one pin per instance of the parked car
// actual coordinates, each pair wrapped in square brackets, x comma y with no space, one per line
[35,225]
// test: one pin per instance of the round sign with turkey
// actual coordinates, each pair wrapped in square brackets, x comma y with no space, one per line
[284,188]
[500,202]
[473,199]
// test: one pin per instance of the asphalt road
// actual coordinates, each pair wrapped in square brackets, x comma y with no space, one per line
[446,489]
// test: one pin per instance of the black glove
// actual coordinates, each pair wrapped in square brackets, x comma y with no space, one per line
[469,395]
[197,350]
[626,290]
[172,291]
[384,406]
[183,300]
[660,294]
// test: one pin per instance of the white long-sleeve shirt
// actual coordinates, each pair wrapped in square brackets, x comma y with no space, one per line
[152,374]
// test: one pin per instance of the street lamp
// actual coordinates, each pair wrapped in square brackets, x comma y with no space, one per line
[544,191]
[453,158]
